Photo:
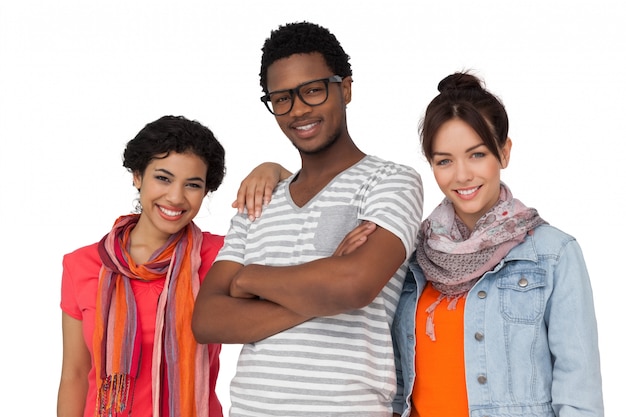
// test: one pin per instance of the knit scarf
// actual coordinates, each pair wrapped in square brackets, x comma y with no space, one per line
[117,335]
[453,258]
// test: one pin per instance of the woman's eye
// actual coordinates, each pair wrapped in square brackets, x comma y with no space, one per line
[162,178]
[194,185]
[442,162]
[478,155]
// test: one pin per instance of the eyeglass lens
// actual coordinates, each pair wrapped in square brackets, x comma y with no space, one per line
[312,93]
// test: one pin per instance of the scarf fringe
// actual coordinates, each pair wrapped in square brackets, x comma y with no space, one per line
[115,395]
[430,319]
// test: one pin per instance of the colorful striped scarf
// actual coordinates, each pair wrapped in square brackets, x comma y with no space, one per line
[117,335]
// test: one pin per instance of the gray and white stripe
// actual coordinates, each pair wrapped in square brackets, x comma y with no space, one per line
[329,365]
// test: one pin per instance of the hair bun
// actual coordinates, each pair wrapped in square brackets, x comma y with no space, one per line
[459,81]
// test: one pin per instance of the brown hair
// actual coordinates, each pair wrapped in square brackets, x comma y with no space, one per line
[463,96]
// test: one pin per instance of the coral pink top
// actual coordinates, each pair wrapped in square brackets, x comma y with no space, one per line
[79,287]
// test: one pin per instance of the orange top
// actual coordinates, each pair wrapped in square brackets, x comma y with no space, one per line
[439,388]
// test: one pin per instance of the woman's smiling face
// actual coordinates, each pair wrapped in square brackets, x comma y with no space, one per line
[171,193]
[466,171]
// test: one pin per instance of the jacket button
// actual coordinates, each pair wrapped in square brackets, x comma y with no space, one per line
[482,379]
[523,282]
[482,294]
[479,336]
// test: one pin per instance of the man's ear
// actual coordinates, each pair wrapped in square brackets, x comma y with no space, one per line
[346,88]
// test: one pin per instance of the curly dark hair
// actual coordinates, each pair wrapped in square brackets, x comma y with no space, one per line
[463,96]
[181,135]
[303,38]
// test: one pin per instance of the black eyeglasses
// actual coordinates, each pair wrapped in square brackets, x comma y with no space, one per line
[311,93]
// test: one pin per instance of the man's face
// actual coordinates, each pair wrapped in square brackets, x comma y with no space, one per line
[311,129]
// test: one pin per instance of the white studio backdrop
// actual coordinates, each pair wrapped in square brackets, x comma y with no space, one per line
[78,79]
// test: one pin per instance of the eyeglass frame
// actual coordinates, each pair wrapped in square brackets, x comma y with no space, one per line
[293,92]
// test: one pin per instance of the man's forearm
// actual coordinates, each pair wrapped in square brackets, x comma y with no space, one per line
[241,320]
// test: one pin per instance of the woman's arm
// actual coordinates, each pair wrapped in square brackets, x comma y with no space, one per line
[74,371]
[573,338]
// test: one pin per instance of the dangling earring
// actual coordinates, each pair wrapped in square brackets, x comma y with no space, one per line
[137,206]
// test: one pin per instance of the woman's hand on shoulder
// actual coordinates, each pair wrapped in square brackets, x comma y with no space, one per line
[255,191]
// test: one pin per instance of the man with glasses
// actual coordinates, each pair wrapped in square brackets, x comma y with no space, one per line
[315,321]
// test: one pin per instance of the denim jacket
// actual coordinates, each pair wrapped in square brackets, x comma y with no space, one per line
[530,334]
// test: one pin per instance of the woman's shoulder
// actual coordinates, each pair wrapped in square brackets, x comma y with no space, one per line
[83,255]
[548,235]
[81,266]
[211,244]
[544,240]
[211,240]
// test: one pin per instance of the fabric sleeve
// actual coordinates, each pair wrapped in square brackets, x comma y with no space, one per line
[573,338]
[399,401]
[69,303]
[79,281]
[395,202]
[235,240]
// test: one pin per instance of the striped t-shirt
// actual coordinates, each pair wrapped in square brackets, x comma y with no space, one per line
[337,365]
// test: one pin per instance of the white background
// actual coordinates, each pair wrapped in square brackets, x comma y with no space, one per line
[78,79]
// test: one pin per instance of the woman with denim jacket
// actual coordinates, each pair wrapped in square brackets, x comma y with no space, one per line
[496,317]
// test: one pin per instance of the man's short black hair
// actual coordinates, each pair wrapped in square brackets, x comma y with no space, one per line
[303,38]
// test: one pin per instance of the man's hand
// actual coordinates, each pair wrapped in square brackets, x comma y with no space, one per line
[354,239]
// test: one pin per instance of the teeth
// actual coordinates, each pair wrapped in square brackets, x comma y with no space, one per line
[170,212]
[467,192]
[306,127]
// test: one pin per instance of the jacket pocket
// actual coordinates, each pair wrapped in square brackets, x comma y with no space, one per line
[522,294]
